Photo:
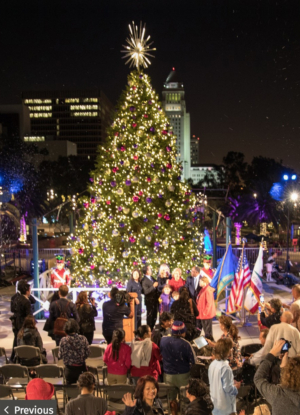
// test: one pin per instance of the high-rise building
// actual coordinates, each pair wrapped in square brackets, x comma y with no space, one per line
[79,116]
[175,109]
[14,120]
[195,150]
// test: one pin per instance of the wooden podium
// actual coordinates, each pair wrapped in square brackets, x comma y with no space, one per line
[129,323]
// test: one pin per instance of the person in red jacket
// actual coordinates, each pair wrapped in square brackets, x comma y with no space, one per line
[206,307]
[60,275]
[176,282]
[145,355]
[117,357]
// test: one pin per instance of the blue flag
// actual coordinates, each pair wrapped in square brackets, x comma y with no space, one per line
[225,272]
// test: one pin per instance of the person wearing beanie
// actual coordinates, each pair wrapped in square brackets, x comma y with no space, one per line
[178,357]
[38,389]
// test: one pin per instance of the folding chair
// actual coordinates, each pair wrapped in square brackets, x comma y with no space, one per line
[6,392]
[49,371]
[3,353]
[96,372]
[57,361]
[96,351]
[14,375]
[164,394]
[250,348]
[113,395]
[24,353]
[243,394]
[71,392]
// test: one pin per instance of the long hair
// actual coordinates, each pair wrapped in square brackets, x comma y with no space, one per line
[29,323]
[231,328]
[141,331]
[81,299]
[117,338]
[139,272]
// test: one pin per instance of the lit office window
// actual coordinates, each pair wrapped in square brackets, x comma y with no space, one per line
[40,108]
[71,100]
[90,100]
[85,114]
[83,107]
[40,114]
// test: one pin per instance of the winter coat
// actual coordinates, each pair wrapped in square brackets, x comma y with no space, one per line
[164,302]
[270,320]
[176,285]
[151,294]
[141,408]
[200,406]
[158,333]
[206,303]
[140,368]
[22,310]
[178,355]
[282,401]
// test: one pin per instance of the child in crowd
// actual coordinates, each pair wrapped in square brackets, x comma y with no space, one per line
[165,299]
[175,297]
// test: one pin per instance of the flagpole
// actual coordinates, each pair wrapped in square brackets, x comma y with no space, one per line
[246,324]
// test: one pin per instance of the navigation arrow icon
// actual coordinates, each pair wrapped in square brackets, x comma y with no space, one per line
[5,409]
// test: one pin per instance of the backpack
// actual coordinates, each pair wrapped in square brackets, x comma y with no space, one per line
[60,322]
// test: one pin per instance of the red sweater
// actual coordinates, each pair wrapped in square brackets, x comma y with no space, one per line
[120,366]
[206,303]
[175,285]
[154,367]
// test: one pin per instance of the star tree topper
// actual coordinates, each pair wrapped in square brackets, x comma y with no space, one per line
[137,48]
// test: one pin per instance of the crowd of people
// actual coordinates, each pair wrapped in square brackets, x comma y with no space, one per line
[166,352]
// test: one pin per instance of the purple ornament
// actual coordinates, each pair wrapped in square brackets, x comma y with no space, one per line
[100,182]
[123,127]
[163,170]
[91,180]
[152,129]
[167,125]
[110,217]
[145,219]
[131,109]
[121,225]
[168,148]
[133,117]
[118,270]
[120,208]
[152,165]
[160,196]
[73,238]
[148,200]
[140,76]
[92,256]
[159,108]
[187,271]
[150,102]
[128,182]
[105,249]
[179,178]
[156,244]
[113,183]
[121,162]
[135,145]
[156,227]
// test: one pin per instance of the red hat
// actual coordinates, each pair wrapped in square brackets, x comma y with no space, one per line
[38,389]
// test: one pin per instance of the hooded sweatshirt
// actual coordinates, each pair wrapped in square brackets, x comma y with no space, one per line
[282,401]
[145,357]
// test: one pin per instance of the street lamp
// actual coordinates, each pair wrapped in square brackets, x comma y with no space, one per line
[293,198]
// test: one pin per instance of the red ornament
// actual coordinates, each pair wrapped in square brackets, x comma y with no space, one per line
[134,88]
[134,125]
[148,179]
[92,266]
[136,167]
[108,202]
[115,169]
[86,205]
[135,263]
[164,132]
[116,134]
[167,217]
[122,148]
[159,215]
[140,193]
[145,115]
[169,166]
[80,251]
[135,157]
[182,238]
[135,199]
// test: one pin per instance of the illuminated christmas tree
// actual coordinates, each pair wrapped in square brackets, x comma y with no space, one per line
[139,210]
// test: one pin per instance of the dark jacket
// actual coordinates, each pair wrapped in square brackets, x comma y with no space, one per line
[62,305]
[22,310]
[113,315]
[86,404]
[270,320]
[200,406]
[182,312]
[87,314]
[162,282]
[141,408]
[135,287]
[151,294]
[178,355]
[282,401]
[190,285]
[158,332]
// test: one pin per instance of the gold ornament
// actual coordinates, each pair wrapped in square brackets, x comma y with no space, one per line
[126,210]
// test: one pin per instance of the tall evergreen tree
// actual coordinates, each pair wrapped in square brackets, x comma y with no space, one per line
[139,210]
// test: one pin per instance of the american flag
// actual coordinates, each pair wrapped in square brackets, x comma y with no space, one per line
[241,281]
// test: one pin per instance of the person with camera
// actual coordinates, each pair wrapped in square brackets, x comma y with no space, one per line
[114,311]
[149,289]
[286,331]
[285,397]
[271,313]
[87,313]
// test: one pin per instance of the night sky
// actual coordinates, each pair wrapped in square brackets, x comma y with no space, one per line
[239,62]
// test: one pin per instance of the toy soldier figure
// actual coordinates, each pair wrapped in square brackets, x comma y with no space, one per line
[206,271]
[60,275]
